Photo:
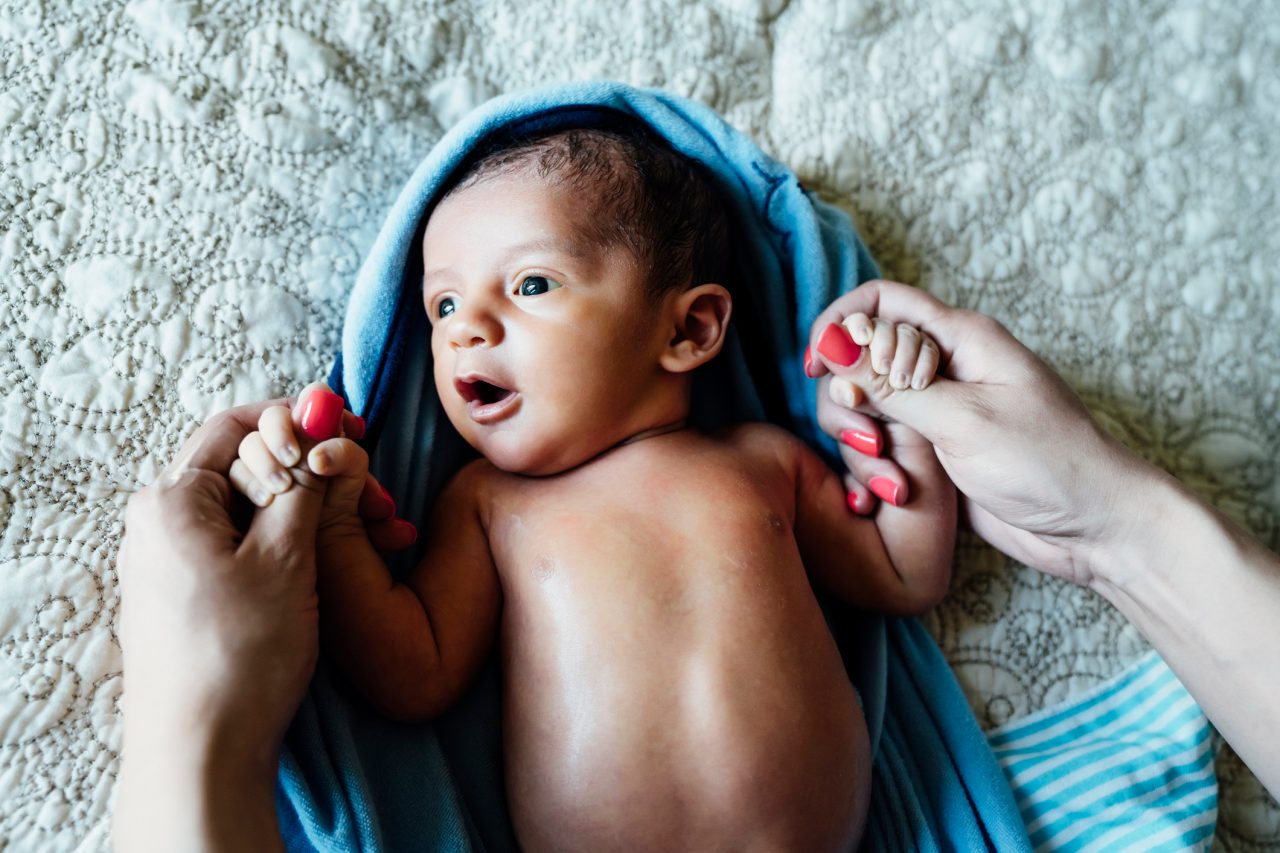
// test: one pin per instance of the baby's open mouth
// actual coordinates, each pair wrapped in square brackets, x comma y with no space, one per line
[481,390]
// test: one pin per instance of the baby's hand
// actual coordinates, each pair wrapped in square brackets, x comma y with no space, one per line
[883,358]
[900,351]
[315,429]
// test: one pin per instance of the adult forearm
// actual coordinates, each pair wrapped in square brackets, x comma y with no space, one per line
[1206,595]
[174,799]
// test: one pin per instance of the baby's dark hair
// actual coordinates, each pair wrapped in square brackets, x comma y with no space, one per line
[660,206]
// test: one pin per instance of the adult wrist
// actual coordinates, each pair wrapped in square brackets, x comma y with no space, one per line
[1139,499]
[207,790]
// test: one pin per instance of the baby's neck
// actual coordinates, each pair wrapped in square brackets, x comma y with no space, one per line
[653,432]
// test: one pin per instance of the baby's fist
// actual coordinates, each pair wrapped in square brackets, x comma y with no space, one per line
[900,351]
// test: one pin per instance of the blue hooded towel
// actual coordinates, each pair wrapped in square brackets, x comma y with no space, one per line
[350,780]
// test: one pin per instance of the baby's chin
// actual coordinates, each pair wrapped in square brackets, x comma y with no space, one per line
[518,452]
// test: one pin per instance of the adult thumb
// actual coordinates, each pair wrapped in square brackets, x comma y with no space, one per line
[926,410]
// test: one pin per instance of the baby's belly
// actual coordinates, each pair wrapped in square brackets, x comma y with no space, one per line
[651,706]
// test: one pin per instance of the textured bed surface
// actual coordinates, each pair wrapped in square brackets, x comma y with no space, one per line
[186,191]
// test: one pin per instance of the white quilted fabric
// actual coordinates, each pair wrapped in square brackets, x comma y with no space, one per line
[187,188]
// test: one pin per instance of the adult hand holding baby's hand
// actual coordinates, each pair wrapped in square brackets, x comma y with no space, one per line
[314,435]
[219,629]
[1009,432]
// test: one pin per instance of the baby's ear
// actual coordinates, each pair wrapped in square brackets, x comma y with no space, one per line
[700,317]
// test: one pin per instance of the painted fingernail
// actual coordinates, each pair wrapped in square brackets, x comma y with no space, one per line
[357,431]
[865,443]
[389,499]
[836,345]
[852,499]
[279,481]
[885,489]
[808,362]
[406,525]
[321,415]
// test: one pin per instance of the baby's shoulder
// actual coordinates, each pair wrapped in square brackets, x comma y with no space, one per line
[473,479]
[761,440]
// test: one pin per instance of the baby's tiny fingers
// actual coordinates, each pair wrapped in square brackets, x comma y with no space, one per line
[860,328]
[246,484]
[904,360]
[340,457]
[844,393]
[926,364]
[263,466]
[276,426]
[883,344]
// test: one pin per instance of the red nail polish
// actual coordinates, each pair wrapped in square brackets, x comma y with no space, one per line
[358,430]
[885,489]
[389,499]
[837,345]
[407,525]
[321,415]
[852,500]
[808,362]
[865,443]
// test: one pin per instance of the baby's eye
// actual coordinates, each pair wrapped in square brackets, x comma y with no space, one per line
[532,285]
[445,307]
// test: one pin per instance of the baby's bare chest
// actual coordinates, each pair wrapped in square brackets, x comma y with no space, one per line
[655,521]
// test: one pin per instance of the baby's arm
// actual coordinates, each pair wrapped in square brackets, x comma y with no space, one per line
[899,560]
[410,647]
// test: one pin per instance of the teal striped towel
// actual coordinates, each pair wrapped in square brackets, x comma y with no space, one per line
[1127,766]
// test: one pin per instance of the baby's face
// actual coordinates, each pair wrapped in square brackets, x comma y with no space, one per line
[545,348]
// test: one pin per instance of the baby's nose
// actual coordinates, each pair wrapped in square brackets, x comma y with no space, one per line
[474,326]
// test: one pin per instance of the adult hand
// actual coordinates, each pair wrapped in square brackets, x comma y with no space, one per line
[1044,483]
[1039,477]
[219,630]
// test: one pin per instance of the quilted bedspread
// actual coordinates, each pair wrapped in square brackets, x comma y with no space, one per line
[187,189]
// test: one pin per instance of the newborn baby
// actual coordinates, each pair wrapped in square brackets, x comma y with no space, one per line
[669,681]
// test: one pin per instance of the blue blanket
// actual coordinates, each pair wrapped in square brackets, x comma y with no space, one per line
[349,780]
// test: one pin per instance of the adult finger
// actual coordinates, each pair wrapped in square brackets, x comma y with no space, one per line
[318,413]
[883,477]
[838,420]
[391,534]
[858,496]
[376,502]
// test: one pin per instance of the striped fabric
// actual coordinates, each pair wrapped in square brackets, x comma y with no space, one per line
[1126,766]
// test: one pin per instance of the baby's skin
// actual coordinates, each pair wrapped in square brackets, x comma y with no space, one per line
[669,682]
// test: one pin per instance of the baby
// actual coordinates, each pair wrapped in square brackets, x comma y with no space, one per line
[669,681]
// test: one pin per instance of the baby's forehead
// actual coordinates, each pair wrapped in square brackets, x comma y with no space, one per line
[573,215]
